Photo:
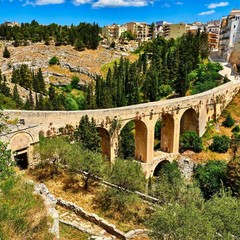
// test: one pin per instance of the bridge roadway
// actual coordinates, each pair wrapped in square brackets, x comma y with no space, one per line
[177,115]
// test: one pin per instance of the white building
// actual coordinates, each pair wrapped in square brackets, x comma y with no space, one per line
[229,34]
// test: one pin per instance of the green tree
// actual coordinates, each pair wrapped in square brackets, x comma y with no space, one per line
[126,148]
[211,177]
[128,175]
[236,129]
[6,53]
[220,144]
[79,45]
[92,163]
[41,82]
[6,163]
[87,134]
[190,141]
[180,222]
[218,217]
[223,211]
[75,82]
[16,97]
[70,103]
[54,61]
[229,121]
[233,176]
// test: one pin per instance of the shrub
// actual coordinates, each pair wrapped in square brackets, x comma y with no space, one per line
[75,81]
[210,177]
[127,174]
[236,129]
[220,144]
[219,219]
[79,45]
[190,141]
[233,176]
[229,121]
[54,61]
[6,53]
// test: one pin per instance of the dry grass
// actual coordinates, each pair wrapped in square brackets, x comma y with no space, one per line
[70,188]
[67,233]
[58,69]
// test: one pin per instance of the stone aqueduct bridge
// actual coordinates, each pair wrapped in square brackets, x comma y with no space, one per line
[177,115]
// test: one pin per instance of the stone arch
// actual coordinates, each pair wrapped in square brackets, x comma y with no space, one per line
[20,140]
[167,133]
[105,141]
[159,166]
[140,141]
[189,121]
[20,144]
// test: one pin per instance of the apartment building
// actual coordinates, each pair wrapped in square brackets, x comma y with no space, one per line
[169,30]
[229,34]
[213,29]
[141,30]
[111,31]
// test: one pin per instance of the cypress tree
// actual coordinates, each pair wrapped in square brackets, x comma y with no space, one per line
[6,53]
[5,90]
[41,102]
[87,134]
[16,97]
[41,82]
[31,101]
[27,105]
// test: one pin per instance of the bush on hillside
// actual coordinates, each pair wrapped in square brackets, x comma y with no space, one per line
[229,121]
[54,61]
[233,176]
[6,53]
[236,129]
[220,144]
[190,141]
[210,177]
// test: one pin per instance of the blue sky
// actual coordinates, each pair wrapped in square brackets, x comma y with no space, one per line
[106,12]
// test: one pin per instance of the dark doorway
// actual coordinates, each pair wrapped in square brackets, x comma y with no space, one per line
[21,160]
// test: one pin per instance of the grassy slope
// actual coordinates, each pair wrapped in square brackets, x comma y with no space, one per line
[22,214]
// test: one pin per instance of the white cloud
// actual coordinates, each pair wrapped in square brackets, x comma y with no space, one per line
[119,3]
[215,5]
[206,13]
[47,2]
[166,5]
[80,2]
[95,3]
[179,3]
